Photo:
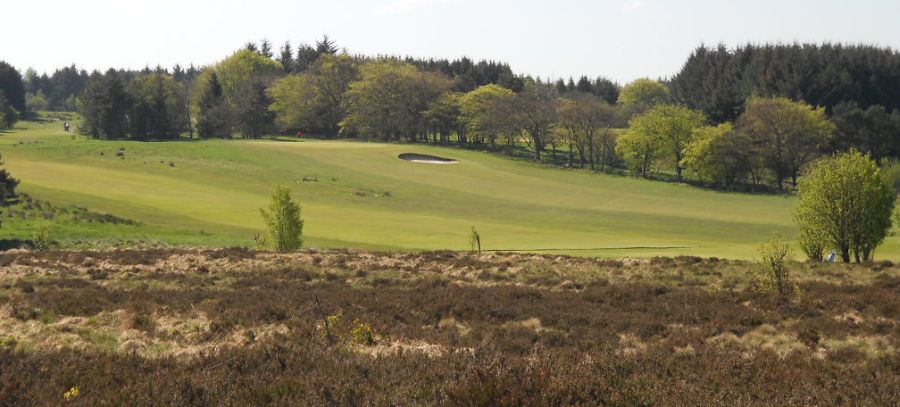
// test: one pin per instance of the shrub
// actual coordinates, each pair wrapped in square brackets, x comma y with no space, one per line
[846,202]
[362,334]
[775,275]
[283,221]
[41,238]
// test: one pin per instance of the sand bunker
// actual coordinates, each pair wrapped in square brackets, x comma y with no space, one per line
[426,159]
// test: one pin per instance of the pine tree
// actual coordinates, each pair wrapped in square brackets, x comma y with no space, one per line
[287,57]
[265,48]
[584,85]
[306,55]
[12,86]
[213,112]
[326,46]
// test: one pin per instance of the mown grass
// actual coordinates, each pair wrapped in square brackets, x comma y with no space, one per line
[357,194]
[238,327]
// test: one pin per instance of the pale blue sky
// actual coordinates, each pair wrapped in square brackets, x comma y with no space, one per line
[622,39]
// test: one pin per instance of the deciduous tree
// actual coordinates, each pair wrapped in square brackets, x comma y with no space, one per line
[787,134]
[845,200]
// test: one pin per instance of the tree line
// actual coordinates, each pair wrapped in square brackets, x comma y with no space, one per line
[731,118]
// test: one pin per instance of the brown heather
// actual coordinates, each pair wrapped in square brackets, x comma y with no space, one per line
[238,327]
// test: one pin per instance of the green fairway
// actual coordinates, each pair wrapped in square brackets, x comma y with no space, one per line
[361,195]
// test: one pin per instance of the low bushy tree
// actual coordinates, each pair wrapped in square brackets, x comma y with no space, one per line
[846,203]
[283,222]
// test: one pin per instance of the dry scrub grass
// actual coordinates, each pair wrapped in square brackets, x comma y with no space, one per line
[234,326]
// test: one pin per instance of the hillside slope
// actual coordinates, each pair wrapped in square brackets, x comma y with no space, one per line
[361,195]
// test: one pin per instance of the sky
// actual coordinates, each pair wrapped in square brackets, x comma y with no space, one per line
[620,39]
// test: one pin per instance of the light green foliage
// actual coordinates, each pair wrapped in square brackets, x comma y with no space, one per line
[389,99]
[283,221]
[660,134]
[294,101]
[36,102]
[890,169]
[788,134]
[481,110]
[774,273]
[313,100]
[474,241]
[41,239]
[720,156]
[644,92]
[847,203]
[443,116]
[241,67]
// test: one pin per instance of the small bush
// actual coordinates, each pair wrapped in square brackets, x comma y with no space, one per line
[41,238]
[362,334]
[774,273]
[283,220]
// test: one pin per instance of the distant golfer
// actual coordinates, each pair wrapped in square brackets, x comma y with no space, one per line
[299,134]
[830,258]
[66,126]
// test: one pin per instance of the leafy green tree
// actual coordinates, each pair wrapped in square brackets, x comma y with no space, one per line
[284,225]
[847,202]
[314,100]
[720,156]
[389,100]
[641,152]
[787,134]
[482,114]
[643,94]
[243,66]
[533,113]
[443,117]
[212,111]
[663,132]
[36,102]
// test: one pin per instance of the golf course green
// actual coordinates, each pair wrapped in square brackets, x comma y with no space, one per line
[357,194]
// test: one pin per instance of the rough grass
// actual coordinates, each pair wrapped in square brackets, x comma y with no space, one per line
[361,195]
[238,327]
